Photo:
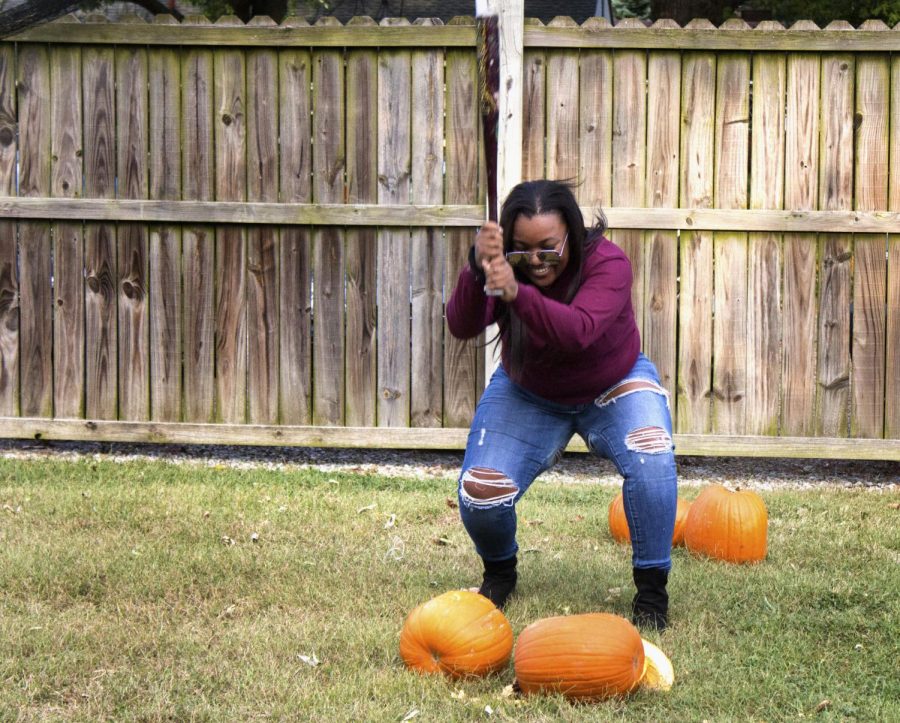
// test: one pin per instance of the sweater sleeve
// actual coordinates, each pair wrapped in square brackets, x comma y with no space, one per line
[603,295]
[469,311]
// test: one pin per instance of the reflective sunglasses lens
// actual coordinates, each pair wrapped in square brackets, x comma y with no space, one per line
[517,258]
[551,258]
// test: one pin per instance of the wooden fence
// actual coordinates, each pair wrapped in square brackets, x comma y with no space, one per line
[246,234]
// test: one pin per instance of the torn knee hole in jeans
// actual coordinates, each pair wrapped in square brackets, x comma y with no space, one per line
[652,440]
[630,386]
[486,487]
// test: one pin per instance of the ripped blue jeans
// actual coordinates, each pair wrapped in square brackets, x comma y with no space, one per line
[516,435]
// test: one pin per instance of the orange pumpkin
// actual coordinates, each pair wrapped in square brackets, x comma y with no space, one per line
[583,657]
[728,525]
[460,633]
[618,524]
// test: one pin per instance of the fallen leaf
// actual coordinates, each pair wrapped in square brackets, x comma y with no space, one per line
[366,508]
[579,518]
[823,706]
[227,612]
[443,541]
[227,540]
[508,691]
[458,694]
[488,711]
[411,714]
[894,505]
[534,523]
[206,514]
[392,520]
[254,537]
[452,504]
[311,660]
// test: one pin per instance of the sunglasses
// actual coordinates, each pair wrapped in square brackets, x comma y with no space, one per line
[550,257]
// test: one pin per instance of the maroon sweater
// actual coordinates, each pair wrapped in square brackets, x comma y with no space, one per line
[576,350]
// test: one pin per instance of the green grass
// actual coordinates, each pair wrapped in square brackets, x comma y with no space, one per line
[122,597]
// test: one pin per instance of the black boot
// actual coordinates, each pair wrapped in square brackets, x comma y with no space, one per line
[499,580]
[650,607]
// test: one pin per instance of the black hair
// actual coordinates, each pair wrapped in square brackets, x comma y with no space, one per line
[535,198]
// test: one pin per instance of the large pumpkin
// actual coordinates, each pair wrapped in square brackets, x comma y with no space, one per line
[728,525]
[460,633]
[584,657]
[618,523]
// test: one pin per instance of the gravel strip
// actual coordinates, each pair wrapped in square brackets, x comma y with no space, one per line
[574,468]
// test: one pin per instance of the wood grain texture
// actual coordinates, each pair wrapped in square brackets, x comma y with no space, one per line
[730,249]
[629,159]
[562,111]
[361,243]
[595,126]
[231,242]
[870,187]
[329,165]
[427,251]
[198,241]
[9,276]
[661,247]
[294,264]
[694,385]
[263,241]
[801,191]
[35,249]
[132,239]
[68,239]
[836,250]
[892,362]
[764,254]
[394,169]
[462,382]
[166,294]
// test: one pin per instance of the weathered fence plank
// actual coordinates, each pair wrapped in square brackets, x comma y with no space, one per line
[394,132]
[801,191]
[132,238]
[730,249]
[462,385]
[534,85]
[35,249]
[595,125]
[870,190]
[68,240]
[629,157]
[262,241]
[166,294]
[9,273]
[101,328]
[198,241]
[562,110]
[329,163]
[661,247]
[361,243]
[764,254]
[427,251]
[694,387]
[294,265]
[836,252]
[892,344]
[230,83]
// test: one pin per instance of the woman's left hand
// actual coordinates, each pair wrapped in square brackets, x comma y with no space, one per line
[499,275]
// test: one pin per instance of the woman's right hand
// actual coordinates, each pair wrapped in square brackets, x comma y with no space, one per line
[488,243]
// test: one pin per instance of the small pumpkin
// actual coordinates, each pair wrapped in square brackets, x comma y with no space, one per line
[583,657]
[730,525]
[459,633]
[618,523]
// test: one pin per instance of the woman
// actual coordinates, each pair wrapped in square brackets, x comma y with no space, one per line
[571,363]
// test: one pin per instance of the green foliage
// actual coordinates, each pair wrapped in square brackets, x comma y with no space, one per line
[631,8]
[823,12]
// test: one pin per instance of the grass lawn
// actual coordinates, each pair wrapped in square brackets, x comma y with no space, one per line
[145,591]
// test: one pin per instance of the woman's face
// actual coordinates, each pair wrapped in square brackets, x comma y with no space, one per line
[543,232]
